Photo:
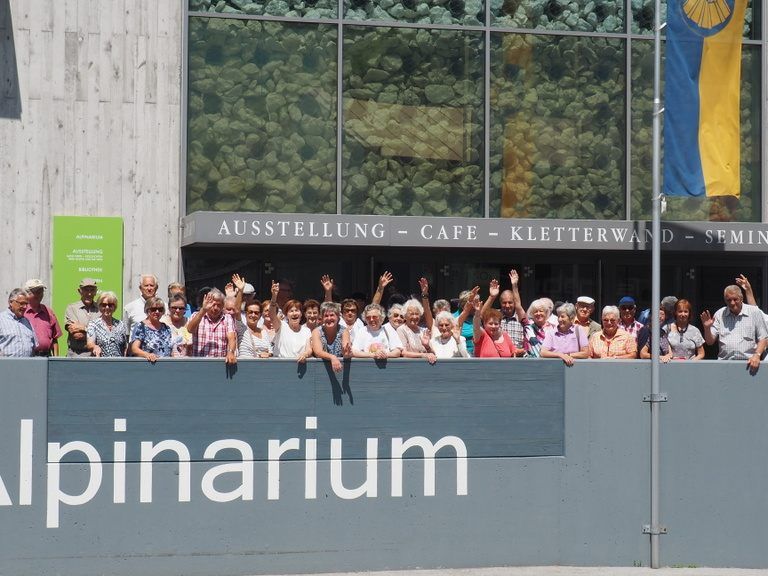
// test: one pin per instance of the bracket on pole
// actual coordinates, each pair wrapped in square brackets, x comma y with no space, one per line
[655,397]
[654,530]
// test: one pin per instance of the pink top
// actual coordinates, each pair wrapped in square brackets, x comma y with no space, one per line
[564,342]
[46,327]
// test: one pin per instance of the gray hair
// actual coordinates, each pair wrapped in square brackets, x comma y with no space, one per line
[107,295]
[540,304]
[445,315]
[668,305]
[549,304]
[142,276]
[441,305]
[413,304]
[464,297]
[217,294]
[334,307]
[15,293]
[733,289]
[610,310]
[567,308]
[373,308]
[394,308]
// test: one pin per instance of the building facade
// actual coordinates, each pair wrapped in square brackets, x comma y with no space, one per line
[284,139]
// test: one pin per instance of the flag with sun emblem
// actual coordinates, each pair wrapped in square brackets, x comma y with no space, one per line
[702,80]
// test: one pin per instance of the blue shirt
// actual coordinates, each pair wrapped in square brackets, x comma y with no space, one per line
[16,336]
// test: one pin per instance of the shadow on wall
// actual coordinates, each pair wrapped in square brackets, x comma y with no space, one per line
[10,100]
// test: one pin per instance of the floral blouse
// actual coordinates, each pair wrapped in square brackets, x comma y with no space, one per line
[158,342]
[112,342]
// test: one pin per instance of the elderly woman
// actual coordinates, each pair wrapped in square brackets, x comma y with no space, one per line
[611,342]
[330,341]
[644,340]
[448,343]
[415,338]
[685,341]
[311,313]
[181,339]
[568,341]
[106,335]
[150,338]
[372,341]
[490,340]
[291,336]
[267,322]
[396,316]
[256,342]
[538,315]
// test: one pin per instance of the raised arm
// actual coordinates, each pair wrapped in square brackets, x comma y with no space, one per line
[468,307]
[519,310]
[706,322]
[384,281]
[493,293]
[194,322]
[239,284]
[428,319]
[477,329]
[749,296]
[327,283]
[276,322]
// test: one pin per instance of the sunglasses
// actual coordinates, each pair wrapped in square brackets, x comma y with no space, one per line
[108,305]
[178,308]
[158,309]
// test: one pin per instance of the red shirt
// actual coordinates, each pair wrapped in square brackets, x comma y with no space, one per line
[211,337]
[487,348]
[46,328]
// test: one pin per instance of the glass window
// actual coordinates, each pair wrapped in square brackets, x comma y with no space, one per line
[643,18]
[326,9]
[589,16]
[745,208]
[467,12]
[557,127]
[262,116]
[413,122]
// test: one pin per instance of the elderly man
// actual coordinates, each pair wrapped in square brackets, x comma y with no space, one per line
[739,329]
[42,319]
[628,323]
[213,331]
[585,306]
[612,341]
[77,316]
[134,310]
[17,338]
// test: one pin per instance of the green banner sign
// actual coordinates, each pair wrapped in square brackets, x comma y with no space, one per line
[85,247]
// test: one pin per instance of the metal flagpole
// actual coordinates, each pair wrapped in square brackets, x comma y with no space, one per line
[655,287]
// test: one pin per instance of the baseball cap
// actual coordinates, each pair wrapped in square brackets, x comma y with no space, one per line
[627,301]
[34,284]
[249,289]
[87,282]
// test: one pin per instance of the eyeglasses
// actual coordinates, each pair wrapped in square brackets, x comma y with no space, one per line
[374,317]
[158,309]
[178,308]
[626,307]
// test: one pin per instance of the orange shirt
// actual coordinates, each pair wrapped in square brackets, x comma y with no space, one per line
[621,343]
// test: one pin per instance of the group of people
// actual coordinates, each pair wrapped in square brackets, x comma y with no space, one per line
[233,324]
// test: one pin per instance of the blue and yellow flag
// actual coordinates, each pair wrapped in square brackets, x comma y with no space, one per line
[701,97]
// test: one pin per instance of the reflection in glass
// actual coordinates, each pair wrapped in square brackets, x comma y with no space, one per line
[467,12]
[582,15]
[262,116]
[413,122]
[746,208]
[557,127]
[643,18]
[325,9]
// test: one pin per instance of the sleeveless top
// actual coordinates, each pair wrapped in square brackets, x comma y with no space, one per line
[335,346]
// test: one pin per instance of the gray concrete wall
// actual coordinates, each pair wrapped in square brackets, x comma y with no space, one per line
[557,466]
[90,118]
